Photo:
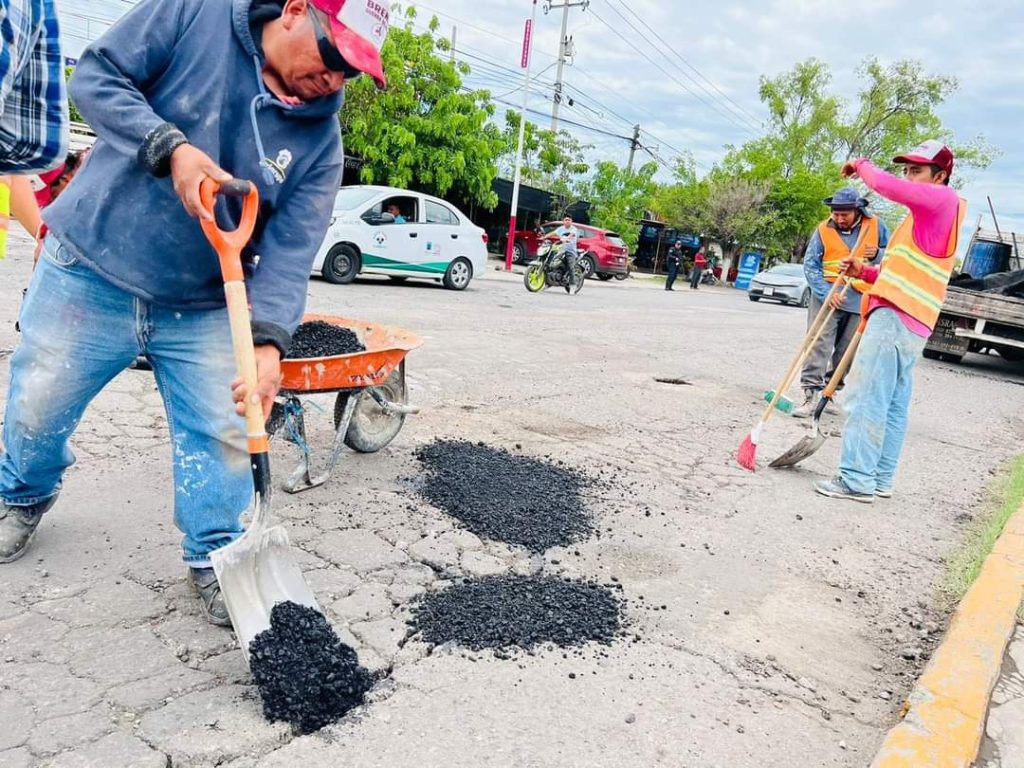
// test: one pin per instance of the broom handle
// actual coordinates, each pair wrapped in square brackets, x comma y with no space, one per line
[810,339]
[813,333]
[844,363]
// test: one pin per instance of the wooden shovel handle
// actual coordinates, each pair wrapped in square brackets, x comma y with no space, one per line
[229,247]
[844,363]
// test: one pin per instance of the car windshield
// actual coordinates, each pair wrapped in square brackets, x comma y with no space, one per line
[614,239]
[787,270]
[352,198]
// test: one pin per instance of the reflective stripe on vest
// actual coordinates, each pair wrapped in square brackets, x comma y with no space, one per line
[5,213]
[836,250]
[912,280]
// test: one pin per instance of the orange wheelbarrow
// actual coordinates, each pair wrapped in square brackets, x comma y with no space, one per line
[372,400]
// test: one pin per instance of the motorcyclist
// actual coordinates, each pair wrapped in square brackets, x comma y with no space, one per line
[568,236]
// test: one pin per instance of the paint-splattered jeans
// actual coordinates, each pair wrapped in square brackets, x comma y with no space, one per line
[880,385]
[78,332]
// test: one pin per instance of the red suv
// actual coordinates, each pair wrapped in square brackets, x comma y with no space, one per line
[602,253]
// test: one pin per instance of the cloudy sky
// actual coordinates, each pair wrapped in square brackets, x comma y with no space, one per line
[688,74]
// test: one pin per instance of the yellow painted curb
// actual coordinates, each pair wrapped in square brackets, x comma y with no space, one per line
[944,716]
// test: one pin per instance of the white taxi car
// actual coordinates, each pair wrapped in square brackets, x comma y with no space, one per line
[401,234]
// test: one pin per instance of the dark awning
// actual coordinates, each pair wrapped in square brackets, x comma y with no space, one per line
[530,198]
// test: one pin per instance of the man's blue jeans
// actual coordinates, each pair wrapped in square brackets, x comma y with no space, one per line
[78,332]
[879,387]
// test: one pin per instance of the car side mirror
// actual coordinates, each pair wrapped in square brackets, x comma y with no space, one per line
[386,218]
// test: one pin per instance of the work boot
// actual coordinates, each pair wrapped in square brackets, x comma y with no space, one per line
[806,409]
[211,601]
[18,526]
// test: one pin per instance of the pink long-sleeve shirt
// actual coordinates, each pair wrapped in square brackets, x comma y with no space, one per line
[934,207]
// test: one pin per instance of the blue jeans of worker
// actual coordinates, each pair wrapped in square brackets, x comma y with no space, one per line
[78,332]
[879,386]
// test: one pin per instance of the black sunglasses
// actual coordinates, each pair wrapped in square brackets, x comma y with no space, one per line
[332,59]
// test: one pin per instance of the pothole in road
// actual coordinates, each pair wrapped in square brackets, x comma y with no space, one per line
[509,611]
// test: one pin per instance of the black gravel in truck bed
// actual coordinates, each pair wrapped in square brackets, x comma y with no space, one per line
[320,339]
[502,496]
[518,611]
[305,674]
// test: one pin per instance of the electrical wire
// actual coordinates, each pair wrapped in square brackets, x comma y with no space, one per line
[740,111]
[711,105]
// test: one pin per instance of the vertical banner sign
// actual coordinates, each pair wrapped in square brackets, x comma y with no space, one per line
[527,35]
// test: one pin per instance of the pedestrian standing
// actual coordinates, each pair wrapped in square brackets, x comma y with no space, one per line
[900,309]
[849,232]
[700,263]
[673,260]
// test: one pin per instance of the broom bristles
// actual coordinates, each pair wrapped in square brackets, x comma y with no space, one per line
[746,456]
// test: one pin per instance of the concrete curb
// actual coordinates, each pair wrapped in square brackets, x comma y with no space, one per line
[944,716]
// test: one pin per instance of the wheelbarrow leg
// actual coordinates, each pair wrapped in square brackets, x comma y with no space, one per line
[301,478]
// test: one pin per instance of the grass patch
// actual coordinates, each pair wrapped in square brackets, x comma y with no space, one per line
[1004,498]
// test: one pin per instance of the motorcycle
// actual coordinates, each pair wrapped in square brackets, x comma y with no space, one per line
[549,270]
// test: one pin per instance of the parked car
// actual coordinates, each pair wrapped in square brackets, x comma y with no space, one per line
[784,283]
[602,252]
[420,237]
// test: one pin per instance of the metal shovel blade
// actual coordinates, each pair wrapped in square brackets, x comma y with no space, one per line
[807,446]
[256,572]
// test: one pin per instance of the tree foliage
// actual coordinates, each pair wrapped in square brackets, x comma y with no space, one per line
[552,160]
[619,197]
[76,116]
[810,132]
[425,131]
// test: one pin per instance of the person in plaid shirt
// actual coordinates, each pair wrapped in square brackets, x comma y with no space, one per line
[33,101]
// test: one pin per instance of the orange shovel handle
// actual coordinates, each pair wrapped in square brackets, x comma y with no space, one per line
[229,247]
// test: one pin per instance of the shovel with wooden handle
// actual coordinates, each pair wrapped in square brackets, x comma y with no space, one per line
[809,444]
[257,570]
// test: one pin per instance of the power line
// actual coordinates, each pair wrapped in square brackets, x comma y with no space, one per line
[745,114]
[728,116]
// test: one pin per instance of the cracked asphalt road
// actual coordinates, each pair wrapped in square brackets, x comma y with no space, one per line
[766,624]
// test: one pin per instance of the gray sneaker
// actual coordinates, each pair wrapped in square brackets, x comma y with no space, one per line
[806,409]
[211,601]
[18,526]
[837,489]
[883,493]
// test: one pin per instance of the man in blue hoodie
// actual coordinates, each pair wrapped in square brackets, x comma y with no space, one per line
[179,91]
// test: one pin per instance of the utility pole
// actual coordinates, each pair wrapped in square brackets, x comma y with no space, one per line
[564,45]
[455,31]
[634,145]
[526,63]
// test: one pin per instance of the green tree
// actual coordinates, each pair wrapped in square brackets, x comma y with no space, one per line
[552,160]
[426,131]
[76,116]
[619,198]
[811,131]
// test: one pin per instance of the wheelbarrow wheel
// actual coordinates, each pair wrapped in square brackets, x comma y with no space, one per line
[371,427]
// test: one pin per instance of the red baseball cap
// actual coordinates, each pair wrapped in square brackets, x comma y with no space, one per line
[359,28]
[931,152]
